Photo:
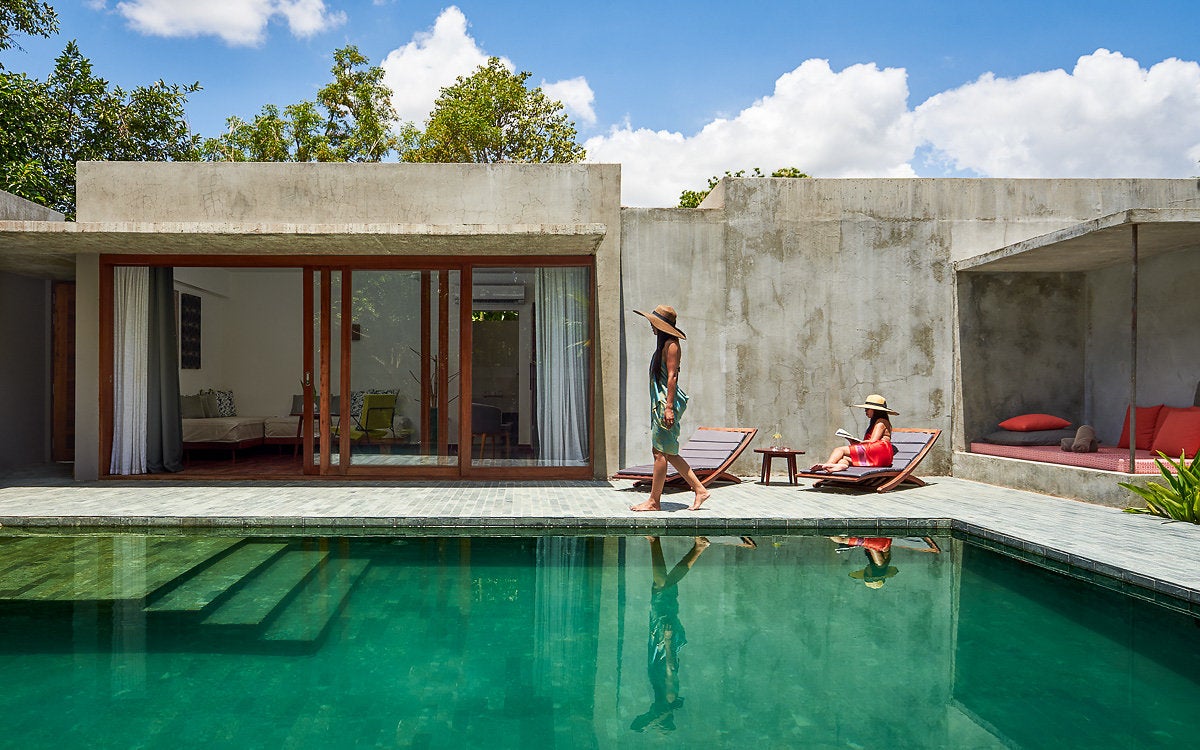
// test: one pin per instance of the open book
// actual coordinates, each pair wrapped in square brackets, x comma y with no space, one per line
[846,436]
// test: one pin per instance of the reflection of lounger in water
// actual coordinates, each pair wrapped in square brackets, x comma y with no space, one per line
[666,637]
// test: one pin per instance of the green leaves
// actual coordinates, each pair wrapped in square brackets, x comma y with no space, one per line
[1179,499]
[491,116]
[25,17]
[351,120]
[48,126]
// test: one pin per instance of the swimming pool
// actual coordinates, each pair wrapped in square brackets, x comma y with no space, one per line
[559,641]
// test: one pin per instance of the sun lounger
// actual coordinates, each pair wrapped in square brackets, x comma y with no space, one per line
[710,451]
[911,447]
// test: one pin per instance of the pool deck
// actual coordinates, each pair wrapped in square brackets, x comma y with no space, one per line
[1144,555]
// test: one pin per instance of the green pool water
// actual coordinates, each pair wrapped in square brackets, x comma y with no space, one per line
[435,642]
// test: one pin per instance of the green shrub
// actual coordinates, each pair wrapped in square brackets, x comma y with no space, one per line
[1180,499]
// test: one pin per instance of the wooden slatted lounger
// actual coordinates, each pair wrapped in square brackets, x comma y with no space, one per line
[710,451]
[911,447]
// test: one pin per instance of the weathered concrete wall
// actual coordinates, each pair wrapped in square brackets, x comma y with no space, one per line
[1022,348]
[678,262]
[1168,338]
[433,194]
[25,372]
[828,290]
[15,208]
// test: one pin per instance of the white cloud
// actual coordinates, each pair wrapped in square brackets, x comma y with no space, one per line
[417,71]
[238,22]
[1106,118]
[576,96]
[852,123]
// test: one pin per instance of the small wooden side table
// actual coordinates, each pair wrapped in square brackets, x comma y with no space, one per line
[770,453]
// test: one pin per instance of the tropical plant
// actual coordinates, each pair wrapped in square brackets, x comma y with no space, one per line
[693,198]
[1180,499]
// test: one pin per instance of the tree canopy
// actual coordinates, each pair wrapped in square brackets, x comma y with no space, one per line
[74,115]
[492,116]
[351,120]
[25,17]
[693,198]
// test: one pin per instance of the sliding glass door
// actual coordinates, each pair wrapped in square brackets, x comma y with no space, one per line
[449,371]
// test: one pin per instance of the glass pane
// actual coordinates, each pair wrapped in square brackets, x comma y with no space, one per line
[404,390]
[531,367]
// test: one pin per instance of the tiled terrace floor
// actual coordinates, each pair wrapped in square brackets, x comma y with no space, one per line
[1146,552]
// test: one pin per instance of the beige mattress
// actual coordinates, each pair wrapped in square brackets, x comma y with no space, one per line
[284,427]
[223,429]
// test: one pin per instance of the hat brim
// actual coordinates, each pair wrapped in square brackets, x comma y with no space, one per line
[876,407]
[661,324]
[862,574]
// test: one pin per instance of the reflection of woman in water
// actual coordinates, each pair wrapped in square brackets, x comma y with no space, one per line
[666,636]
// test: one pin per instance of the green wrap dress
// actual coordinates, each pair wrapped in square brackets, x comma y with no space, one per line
[665,439]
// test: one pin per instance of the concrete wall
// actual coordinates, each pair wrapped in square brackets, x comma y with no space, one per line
[25,318]
[435,194]
[25,372]
[807,295]
[1021,348]
[1168,338]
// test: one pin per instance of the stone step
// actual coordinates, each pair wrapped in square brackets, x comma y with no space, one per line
[307,617]
[82,568]
[207,586]
[252,604]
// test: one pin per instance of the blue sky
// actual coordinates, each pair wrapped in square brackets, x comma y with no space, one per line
[679,91]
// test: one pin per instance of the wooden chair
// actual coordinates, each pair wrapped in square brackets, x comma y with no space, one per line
[911,447]
[710,451]
[487,422]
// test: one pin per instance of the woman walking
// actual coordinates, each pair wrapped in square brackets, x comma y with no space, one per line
[667,404]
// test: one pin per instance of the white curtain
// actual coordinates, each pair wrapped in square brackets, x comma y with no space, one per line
[564,358]
[131,323]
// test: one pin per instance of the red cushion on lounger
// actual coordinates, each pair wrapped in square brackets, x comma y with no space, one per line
[1179,430]
[1031,422]
[1147,425]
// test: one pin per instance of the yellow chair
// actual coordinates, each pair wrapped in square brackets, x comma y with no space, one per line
[375,419]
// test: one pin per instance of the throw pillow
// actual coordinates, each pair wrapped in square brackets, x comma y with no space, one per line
[191,407]
[1032,422]
[1035,437]
[224,402]
[1148,418]
[209,401]
[1179,431]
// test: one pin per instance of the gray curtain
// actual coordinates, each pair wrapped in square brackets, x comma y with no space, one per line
[164,430]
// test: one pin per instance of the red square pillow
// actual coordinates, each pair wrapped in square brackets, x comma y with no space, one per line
[1148,418]
[1031,422]
[1178,430]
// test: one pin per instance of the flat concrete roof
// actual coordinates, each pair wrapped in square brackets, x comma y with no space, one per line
[1097,243]
[48,248]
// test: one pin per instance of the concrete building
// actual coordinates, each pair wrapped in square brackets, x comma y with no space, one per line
[963,301]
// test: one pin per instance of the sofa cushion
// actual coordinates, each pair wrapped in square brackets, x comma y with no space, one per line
[1029,437]
[1034,422]
[1147,424]
[1178,432]
[221,401]
[191,407]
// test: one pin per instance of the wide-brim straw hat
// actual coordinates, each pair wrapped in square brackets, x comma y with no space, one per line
[875,578]
[663,318]
[876,402]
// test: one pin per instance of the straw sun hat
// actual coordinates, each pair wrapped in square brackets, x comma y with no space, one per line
[874,401]
[663,318]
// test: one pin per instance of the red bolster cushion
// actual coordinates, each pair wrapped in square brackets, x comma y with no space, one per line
[1032,422]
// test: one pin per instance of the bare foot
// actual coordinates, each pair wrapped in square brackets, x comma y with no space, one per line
[699,501]
[701,543]
[648,505]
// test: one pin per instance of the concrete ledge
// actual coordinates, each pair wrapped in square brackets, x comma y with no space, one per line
[1089,485]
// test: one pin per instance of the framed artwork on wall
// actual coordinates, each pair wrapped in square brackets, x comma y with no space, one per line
[189,332]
